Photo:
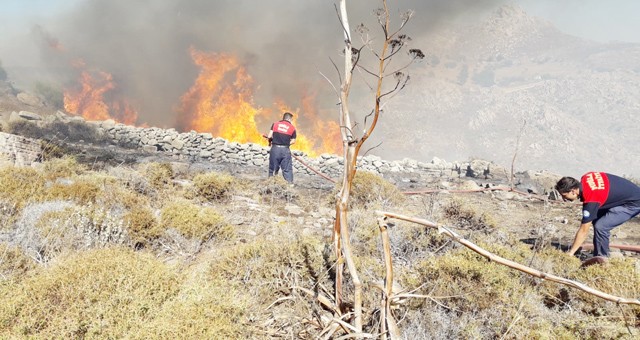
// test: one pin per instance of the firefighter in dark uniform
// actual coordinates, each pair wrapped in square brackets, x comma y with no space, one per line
[282,135]
[607,202]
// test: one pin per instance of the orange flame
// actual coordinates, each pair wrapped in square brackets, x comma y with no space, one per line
[88,100]
[219,101]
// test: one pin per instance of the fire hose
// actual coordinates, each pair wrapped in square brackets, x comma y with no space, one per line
[305,164]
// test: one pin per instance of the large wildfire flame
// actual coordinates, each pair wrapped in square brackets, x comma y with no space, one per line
[95,98]
[220,102]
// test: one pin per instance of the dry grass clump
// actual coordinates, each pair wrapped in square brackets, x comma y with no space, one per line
[63,167]
[204,308]
[480,299]
[108,293]
[158,175]
[80,190]
[276,187]
[13,262]
[213,186]
[74,227]
[465,217]
[20,185]
[268,267]
[268,270]
[618,277]
[142,226]
[116,193]
[369,190]
[194,221]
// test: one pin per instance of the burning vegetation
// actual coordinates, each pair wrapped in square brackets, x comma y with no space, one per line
[220,101]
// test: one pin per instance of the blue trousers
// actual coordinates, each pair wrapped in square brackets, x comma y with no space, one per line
[605,222]
[280,158]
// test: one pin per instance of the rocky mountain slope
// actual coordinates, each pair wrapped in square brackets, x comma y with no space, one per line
[571,105]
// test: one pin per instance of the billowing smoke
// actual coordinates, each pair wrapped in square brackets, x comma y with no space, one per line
[145,45]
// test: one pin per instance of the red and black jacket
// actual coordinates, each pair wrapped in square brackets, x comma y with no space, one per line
[283,133]
[600,190]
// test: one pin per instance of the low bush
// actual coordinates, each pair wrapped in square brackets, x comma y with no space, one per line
[20,185]
[278,188]
[159,175]
[142,226]
[25,128]
[213,186]
[13,262]
[107,293]
[52,95]
[368,190]
[72,228]
[73,131]
[63,167]
[193,221]
[3,73]
[465,217]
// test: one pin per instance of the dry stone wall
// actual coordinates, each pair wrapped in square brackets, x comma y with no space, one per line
[18,150]
[205,146]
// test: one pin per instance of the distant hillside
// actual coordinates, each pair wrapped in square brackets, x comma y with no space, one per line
[479,85]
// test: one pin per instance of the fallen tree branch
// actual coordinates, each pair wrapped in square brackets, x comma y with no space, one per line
[434,191]
[509,263]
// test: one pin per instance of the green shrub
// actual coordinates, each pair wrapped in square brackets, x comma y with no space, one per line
[193,221]
[213,186]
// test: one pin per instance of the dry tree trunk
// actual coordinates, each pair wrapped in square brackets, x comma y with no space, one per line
[351,149]
[387,322]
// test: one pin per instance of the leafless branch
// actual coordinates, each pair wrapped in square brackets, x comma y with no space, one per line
[509,263]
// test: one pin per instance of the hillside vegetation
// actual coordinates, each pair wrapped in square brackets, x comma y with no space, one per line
[174,250]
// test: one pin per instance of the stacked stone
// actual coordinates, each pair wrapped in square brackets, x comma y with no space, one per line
[206,147]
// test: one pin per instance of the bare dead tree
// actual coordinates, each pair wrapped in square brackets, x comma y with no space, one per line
[515,154]
[393,43]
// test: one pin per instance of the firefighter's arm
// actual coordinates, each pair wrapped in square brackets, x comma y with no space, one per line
[581,235]
[293,141]
[270,134]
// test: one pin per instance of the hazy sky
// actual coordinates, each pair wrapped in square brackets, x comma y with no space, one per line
[593,19]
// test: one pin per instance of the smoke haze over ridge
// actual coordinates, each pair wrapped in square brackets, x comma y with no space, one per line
[145,44]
